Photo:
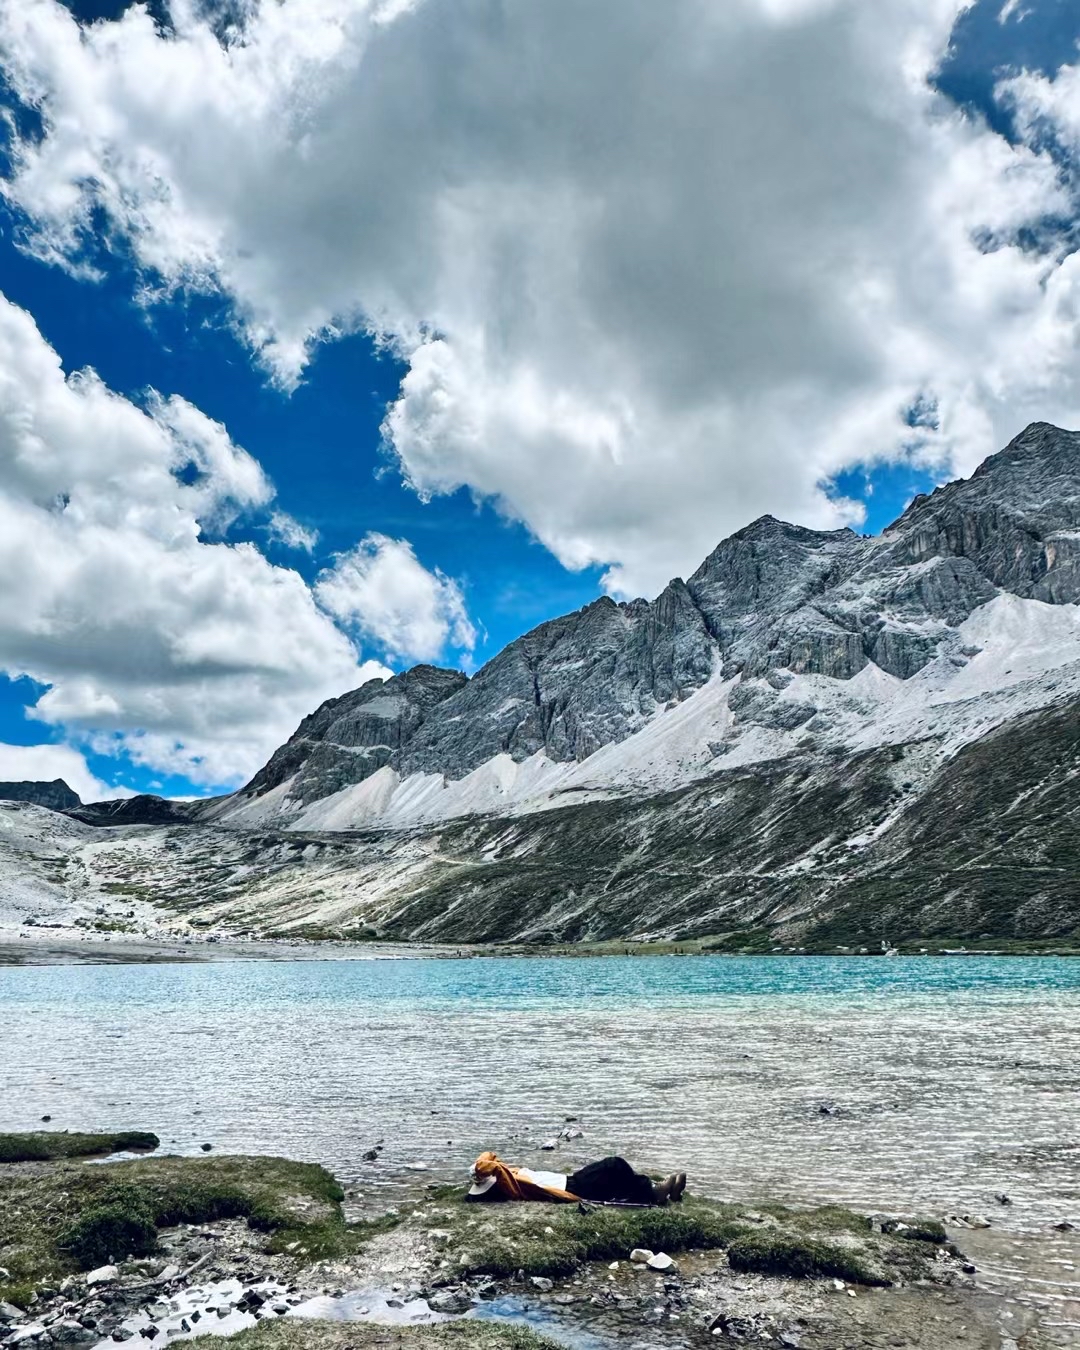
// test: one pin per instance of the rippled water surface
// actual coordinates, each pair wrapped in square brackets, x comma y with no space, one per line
[945,1080]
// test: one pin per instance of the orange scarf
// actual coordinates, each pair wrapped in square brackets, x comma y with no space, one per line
[510,1185]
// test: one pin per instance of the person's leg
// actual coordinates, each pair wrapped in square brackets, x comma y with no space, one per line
[611,1179]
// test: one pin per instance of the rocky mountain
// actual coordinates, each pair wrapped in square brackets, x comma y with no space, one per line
[782,634]
[57,796]
[818,740]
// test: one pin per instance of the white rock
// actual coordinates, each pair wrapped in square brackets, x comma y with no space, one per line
[614,1265]
[839,1284]
[549,1144]
[661,1261]
[29,1333]
[641,1256]
[416,1167]
[102,1275]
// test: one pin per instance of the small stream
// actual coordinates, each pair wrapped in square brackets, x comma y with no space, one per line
[219,1309]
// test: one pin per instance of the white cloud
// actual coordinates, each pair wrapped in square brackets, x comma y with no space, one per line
[290,533]
[44,763]
[1043,103]
[192,657]
[655,269]
[380,589]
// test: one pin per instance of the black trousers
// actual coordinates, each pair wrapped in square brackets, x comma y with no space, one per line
[611,1179]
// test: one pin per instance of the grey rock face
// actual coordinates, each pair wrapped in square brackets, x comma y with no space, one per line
[349,738]
[772,600]
[1017,518]
[57,796]
[571,685]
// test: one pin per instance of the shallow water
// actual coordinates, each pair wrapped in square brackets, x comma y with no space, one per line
[946,1080]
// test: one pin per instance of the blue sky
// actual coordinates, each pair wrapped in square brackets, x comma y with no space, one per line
[316,432]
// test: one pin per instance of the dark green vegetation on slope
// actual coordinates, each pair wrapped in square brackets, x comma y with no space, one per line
[760,857]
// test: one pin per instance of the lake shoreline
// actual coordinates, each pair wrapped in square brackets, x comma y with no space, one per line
[85,949]
[245,1244]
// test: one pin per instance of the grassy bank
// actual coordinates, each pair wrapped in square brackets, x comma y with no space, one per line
[46,1145]
[554,1240]
[70,1215]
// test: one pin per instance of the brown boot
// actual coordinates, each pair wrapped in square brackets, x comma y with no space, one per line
[662,1189]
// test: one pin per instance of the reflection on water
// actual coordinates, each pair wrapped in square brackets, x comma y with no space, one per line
[889,1084]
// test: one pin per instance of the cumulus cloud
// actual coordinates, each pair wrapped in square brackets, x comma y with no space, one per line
[381,590]
[189,655]
[44,763]
[655,269]
[1046,104]
[290,533]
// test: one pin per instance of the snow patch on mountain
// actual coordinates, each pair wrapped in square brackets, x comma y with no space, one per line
[1011,656]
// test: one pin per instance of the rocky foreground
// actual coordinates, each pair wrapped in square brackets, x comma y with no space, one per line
[146,1249]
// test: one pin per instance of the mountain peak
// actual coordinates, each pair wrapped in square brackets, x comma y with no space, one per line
[57,795]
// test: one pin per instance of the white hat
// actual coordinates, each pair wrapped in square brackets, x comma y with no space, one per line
[482,1187]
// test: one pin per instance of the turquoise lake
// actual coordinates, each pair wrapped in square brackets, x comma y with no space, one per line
[930,1083]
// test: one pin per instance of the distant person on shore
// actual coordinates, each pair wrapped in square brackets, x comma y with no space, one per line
[611,1181]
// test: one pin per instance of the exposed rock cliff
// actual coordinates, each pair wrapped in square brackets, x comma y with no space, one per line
[57,796]
[787,620]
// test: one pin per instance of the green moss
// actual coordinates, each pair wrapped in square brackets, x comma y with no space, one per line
[45,1145]
[77,1215]
[502,1243]
[108,1232]
[824,1219]
[918,1230]
[771,1253]
[18,1294]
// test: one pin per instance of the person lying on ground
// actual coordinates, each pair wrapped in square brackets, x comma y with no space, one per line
[611,1181]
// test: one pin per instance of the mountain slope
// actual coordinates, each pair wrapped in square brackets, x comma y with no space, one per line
[819,740]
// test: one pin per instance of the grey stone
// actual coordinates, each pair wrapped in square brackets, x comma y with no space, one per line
[102,1275]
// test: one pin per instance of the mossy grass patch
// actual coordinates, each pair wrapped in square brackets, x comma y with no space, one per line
[72,1215]
[554,1240]
[492,1246]
[800,1258]
[296,1333]
[46,1145]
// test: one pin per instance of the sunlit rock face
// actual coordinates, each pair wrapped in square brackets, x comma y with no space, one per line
[772,602]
